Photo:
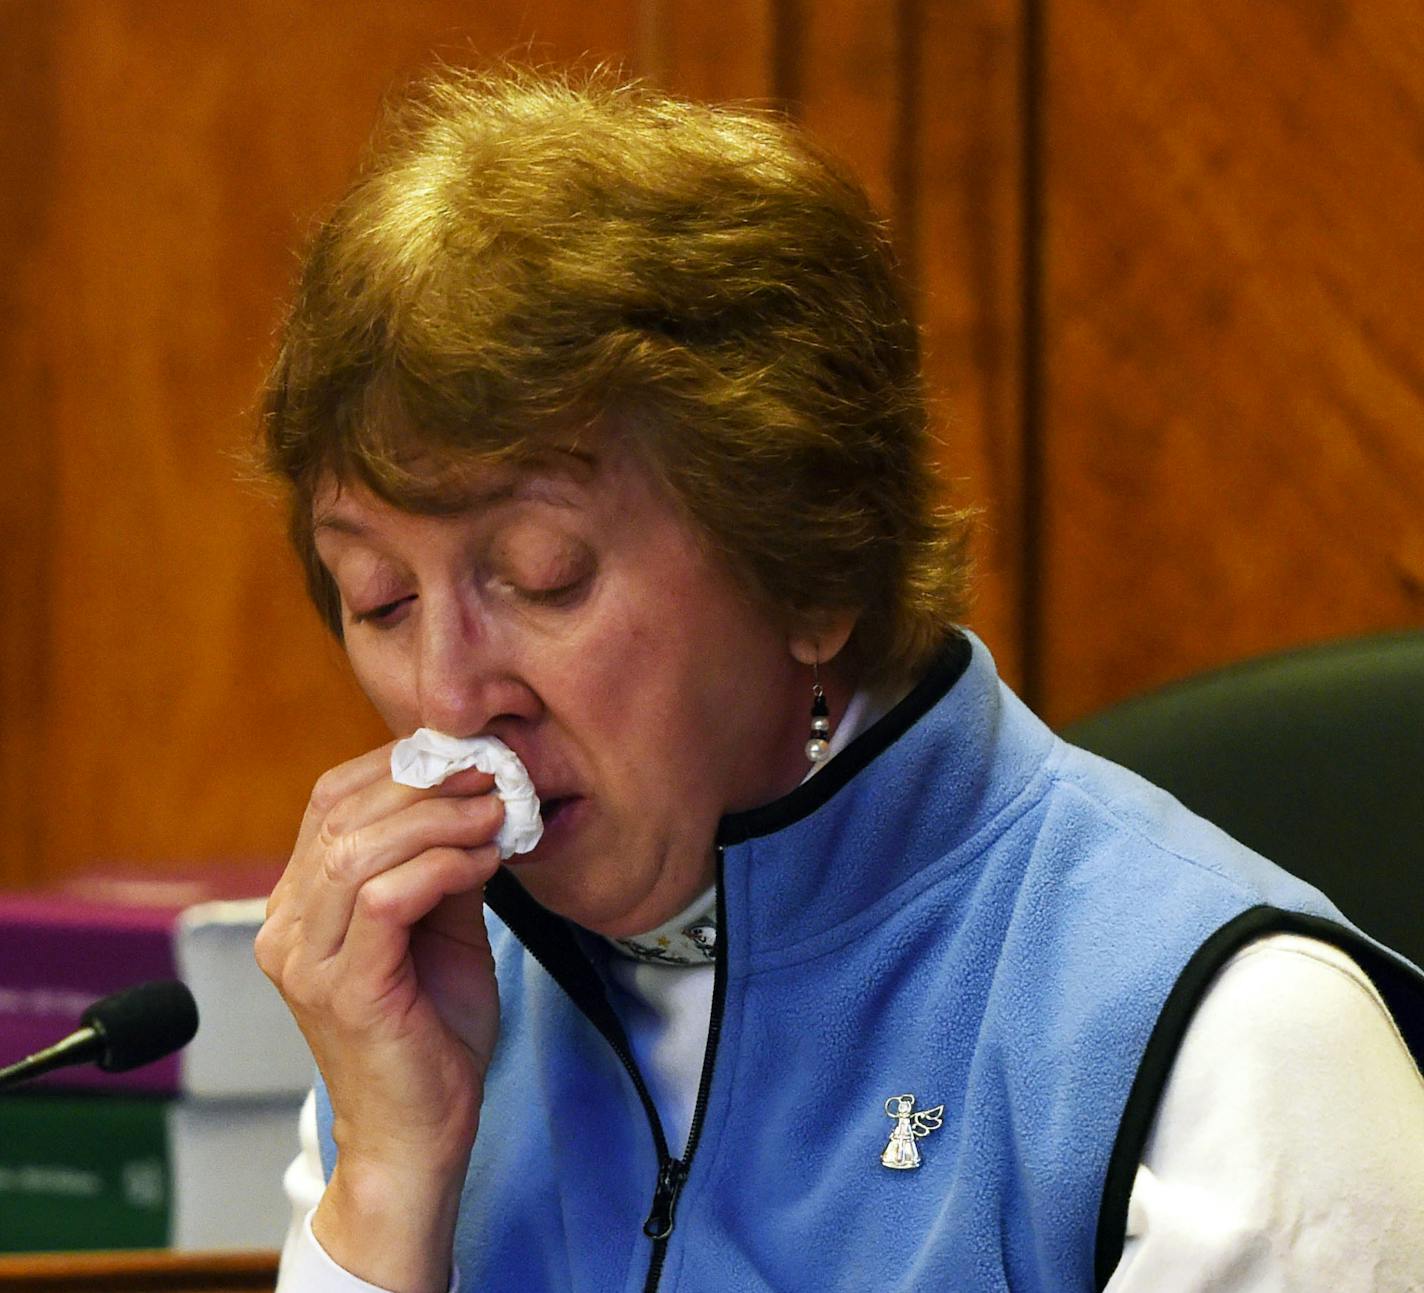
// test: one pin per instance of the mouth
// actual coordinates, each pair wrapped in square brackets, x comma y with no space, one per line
[558,811]
[552,809]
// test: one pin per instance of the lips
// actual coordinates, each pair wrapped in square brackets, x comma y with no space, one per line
[553,808]
[561,815]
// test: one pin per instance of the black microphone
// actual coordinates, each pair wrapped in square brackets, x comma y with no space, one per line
[133,1027]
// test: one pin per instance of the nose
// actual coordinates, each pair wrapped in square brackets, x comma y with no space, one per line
[466,677]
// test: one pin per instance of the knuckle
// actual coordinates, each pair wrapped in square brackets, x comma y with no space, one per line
[282,891]
[338,818]
[340,856]
[283,963]
[375,903]
[301,982]
[303,994]
[328,791]
[266,949]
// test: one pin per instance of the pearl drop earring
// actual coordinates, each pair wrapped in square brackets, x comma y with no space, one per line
[818,747]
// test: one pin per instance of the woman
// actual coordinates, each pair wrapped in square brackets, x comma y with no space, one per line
[605,436]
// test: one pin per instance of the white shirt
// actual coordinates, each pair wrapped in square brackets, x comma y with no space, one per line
[1288,1149]
[1287,1152]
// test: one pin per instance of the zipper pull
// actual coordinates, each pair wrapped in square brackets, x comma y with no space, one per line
[670,1178]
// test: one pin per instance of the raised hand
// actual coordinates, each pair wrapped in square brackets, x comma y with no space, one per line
[376,939]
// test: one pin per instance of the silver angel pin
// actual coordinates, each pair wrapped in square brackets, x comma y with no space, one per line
[901,1152]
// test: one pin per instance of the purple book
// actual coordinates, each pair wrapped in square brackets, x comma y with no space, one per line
[61,949]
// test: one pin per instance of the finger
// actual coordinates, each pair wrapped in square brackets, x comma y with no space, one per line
[351,861]
[336,785]
[454,966]
[362,789]
[332,788]
[345,800]
[382,797]
[370,962]
[471,781]
[459,918]
[378,936]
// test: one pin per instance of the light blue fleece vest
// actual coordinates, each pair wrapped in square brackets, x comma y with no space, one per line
[959,907]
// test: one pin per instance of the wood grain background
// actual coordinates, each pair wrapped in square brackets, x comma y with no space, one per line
[1170,275]
[1233,436]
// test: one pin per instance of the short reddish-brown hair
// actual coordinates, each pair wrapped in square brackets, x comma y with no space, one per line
[525,255]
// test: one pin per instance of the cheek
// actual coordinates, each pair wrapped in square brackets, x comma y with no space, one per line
[605,677]
[390,690]
[621,692]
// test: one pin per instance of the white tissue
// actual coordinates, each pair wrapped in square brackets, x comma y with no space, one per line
[427,757]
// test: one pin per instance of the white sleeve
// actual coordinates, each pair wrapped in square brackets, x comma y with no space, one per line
[305,1267]
[1288,1148]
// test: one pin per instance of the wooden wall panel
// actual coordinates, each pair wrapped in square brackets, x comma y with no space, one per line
[845,82]
[922,99]
[28,105]
[166,692]
[721,53]
[965,213]
[1234,434]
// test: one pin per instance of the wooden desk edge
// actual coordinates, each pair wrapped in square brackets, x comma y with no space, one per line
[158,1271]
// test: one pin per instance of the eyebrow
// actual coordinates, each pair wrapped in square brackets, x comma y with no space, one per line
[333,521]
[327,523]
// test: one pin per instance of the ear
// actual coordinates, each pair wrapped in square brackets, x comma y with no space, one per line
[821,644]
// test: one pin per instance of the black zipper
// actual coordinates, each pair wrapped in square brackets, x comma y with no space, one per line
[672,1173]
[542,932]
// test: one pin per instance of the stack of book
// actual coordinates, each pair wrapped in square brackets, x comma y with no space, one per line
[187,1152]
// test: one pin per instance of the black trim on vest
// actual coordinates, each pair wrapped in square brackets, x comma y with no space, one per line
[551,941]
[947,669]
[1398,982]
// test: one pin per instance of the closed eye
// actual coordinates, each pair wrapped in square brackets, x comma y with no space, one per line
[564,595]
[381,616]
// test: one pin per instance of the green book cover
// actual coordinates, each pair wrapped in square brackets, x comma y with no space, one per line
[86,1170]
[80,1172]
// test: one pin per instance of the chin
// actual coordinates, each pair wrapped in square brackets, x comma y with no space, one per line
[563,895]
[569,873]
[601,904]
